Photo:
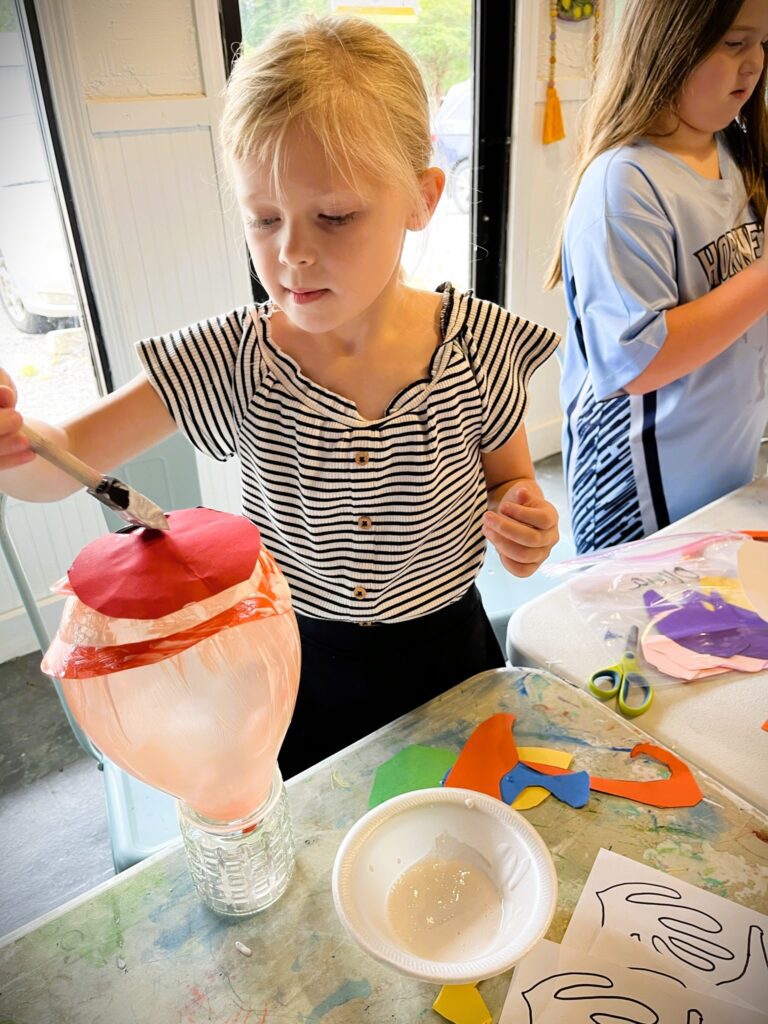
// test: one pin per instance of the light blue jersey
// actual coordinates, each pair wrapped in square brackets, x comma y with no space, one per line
[647,233]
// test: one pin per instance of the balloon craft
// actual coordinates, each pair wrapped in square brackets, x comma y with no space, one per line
[178,653]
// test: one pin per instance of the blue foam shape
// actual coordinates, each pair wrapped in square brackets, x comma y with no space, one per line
[572,788]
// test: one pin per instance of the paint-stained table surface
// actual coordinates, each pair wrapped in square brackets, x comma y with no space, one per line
[142,948]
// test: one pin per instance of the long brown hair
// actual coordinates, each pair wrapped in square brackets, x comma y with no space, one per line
[654,49]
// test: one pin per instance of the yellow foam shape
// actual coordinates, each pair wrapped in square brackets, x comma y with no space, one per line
[534,795]
[462,1004]
[728,587]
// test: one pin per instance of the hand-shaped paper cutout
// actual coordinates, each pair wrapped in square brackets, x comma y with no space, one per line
[599,1005]
[691,945]
[679,932]
[710,625]
[680,662]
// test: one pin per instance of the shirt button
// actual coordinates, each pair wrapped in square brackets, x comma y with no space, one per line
[365,522]
[362,458]
[359,593]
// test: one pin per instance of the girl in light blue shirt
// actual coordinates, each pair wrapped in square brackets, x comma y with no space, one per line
[665,368]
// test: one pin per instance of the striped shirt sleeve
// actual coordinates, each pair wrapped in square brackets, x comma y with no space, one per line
[504,351]
[193,371]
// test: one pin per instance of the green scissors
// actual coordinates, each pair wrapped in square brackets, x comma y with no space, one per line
[634,692]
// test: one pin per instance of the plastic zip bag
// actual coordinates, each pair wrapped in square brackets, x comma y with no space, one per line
[684,595]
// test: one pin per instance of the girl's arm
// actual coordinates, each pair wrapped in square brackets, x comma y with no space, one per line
[116,429]
[521,524]
[700,330]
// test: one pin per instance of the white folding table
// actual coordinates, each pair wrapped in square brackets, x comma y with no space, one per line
[714,723]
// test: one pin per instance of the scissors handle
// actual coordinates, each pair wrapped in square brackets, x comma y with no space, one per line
[605,683]
[634,686]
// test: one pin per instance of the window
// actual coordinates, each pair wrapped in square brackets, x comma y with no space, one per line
[47,340]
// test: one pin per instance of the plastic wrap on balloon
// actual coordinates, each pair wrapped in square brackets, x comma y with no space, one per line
[179,656]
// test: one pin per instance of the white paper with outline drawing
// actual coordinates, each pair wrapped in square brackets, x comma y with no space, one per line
[634,915]
[559,985]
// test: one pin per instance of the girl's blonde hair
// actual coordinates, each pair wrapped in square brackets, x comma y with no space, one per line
[655,48]
[347,82]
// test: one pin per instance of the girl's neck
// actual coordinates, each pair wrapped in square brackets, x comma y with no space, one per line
[696,148]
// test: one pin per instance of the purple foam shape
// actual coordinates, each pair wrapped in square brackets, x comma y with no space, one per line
[708,624]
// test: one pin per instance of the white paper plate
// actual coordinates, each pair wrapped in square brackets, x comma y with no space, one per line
[390,838]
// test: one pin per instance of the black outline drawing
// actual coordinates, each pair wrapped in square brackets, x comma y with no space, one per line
[754,929]
[688,941]
[575,980]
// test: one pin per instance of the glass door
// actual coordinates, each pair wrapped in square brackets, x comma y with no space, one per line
[438,33]
[47,340]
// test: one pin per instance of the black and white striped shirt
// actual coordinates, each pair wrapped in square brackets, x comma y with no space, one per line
[370,520]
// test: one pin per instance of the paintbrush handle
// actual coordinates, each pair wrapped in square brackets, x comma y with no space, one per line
[62,459]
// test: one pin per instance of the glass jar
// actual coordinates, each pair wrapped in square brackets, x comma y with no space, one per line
[241,867]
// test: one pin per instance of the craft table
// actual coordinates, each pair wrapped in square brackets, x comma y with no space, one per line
[714,723]
[142,948]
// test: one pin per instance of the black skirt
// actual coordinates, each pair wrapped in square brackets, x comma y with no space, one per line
[354,679]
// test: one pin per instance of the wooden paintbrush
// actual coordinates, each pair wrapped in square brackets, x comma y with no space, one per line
[129,504]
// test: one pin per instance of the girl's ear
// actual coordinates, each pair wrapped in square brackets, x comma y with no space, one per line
[431,186]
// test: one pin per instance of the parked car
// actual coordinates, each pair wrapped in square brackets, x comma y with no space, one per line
[37,289]
[452,129]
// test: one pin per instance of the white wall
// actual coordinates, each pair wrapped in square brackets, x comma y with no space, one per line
[539,176]
[137,94]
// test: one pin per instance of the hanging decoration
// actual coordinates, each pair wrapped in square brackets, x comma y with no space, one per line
[553,118]
[596,38]
[566,10]
[575,10]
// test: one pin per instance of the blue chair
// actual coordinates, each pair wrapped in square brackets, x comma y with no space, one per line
[142,820]
[503,593]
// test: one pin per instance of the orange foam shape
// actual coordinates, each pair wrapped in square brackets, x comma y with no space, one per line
[679,790]
[489,753]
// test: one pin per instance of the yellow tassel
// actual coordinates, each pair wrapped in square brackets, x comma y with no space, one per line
[553,118]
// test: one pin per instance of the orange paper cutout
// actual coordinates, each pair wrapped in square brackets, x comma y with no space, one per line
[679,790]
[66,661]
[489,753]
[765,725]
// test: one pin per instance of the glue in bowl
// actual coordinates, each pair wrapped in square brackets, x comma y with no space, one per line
[446,885]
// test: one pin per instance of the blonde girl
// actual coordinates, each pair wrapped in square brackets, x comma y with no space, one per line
[375,423]
[665,369]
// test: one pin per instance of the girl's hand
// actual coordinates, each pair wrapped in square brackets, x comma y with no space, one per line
[14,447]
[523,531]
